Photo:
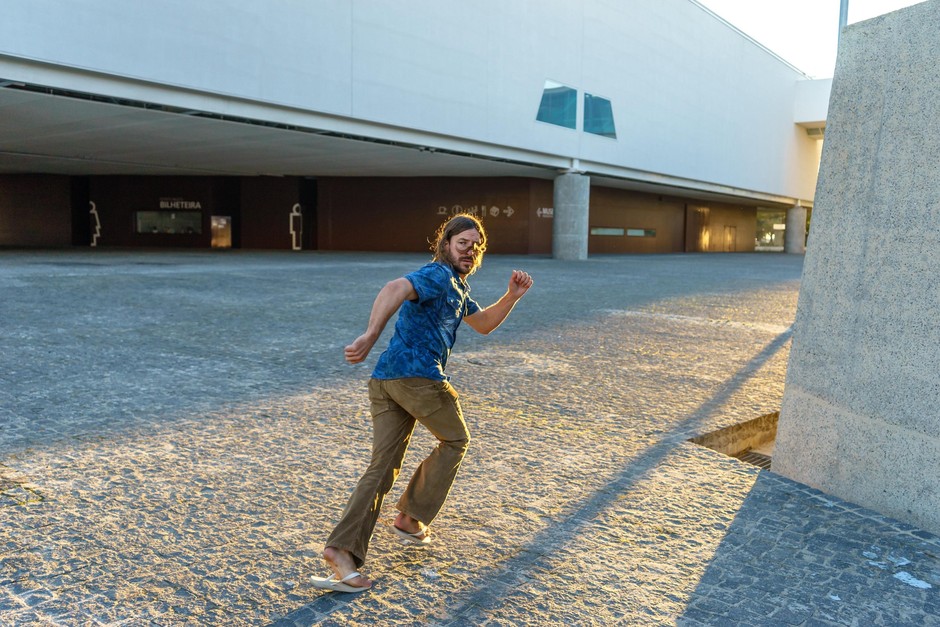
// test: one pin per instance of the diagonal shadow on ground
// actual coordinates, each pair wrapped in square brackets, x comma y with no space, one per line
[564,531]
[859,561]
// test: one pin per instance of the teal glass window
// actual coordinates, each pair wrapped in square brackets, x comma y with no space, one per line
[599,116]
[559,105]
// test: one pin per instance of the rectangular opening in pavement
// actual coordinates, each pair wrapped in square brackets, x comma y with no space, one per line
[751,441]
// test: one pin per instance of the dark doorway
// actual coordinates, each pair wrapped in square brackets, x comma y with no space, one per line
[82,221]
[308,208]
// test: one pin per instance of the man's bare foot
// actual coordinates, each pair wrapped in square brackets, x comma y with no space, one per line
[412,526]
[342,564]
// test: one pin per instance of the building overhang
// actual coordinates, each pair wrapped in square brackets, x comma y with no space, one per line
[811,106]
[61,130]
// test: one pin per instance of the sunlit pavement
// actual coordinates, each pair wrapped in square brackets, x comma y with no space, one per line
[179,432]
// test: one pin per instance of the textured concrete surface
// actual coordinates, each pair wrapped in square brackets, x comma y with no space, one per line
[860,415]
[179,432]
[795,235]
[572,193]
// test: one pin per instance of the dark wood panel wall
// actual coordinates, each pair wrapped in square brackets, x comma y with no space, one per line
[366,213]
[35,210]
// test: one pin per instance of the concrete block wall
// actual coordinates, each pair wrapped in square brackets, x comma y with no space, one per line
[861,409]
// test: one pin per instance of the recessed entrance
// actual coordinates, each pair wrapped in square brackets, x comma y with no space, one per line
[221,231]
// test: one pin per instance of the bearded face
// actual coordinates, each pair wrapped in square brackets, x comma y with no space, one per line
[462,251]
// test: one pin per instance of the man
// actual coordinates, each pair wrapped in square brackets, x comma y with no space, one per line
[409,385]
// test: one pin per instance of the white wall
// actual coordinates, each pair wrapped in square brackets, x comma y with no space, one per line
[692,97]
[283,51]
[811,105]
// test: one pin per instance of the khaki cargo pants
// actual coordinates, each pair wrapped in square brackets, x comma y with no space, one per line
[397,404]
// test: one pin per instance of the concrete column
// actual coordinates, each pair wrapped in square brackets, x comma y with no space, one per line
[570,222]
[859,417]
[795,239]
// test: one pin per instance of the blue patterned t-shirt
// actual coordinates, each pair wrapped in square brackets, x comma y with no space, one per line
[427,327]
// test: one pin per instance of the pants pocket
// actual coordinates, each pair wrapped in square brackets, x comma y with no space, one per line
[378,399]
[422,397]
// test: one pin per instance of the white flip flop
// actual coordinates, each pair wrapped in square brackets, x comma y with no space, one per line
[338,585]
[421,538]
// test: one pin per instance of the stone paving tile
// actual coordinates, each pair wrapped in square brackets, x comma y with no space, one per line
[179,432]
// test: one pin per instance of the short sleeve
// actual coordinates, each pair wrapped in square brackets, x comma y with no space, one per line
[429,281]
[471,307]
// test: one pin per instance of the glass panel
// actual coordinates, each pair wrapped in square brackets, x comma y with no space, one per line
[606,230]
[221,231]
[641,232]
[188,222]
[559,105]
[771,230]
[599,116]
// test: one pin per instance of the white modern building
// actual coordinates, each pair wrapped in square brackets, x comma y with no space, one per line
[572,127]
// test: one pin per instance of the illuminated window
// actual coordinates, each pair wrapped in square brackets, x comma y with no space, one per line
[606,230]
[599,116]
[641,232]
[559,105]
[170,222]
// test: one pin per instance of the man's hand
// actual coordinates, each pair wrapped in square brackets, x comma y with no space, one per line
[519,284]
[486,320]
[386,304]
[359,349]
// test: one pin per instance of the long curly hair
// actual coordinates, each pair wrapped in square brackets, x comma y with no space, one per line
[458,224]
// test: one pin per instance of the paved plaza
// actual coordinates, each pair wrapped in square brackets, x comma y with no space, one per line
[179,432]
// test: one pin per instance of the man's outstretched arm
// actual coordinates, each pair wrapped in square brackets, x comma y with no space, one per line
[485,320]
[388,301]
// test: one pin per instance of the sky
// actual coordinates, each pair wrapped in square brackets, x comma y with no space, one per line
[804,32]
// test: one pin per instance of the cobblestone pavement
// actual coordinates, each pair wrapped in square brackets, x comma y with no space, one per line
[179,432]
